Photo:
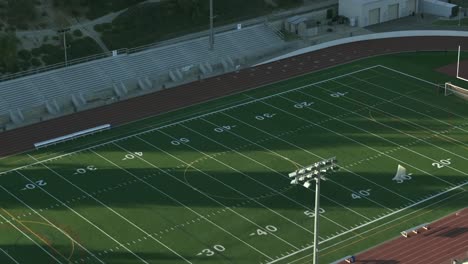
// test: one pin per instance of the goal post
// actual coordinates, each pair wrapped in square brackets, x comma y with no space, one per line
[452,89]
[458,65]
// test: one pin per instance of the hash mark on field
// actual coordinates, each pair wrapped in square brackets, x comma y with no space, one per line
[406,145]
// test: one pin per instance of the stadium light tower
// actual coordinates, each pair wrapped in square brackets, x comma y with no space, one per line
[305,176]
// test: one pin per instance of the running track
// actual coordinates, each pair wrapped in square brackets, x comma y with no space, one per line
[22,139]
[444,240]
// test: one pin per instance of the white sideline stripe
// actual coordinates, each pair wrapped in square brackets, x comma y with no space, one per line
[78,214]
[412,98]
[234,189]
[52,224]
[188,208]
[26,235]
[307,151]
[8,255]
[373,221]
[388,126]
[81,133]
[360,143]
[406,95]
[254,143]
[275,171]
[183,121]
[113,211]
[386,223]
[413,124]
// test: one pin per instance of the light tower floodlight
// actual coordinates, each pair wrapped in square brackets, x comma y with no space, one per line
[305,176]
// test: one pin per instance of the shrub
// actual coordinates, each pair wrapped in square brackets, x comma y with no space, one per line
[24,55]
[330,13]
[77,33]
[36,62]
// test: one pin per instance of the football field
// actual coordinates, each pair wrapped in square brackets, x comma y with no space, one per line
[214,188]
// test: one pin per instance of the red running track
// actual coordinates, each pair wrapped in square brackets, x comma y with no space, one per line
[444,240]
[22,139]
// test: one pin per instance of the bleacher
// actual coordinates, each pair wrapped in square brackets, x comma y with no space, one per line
[80,79]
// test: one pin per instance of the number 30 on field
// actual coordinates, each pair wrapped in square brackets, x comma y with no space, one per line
[208,252]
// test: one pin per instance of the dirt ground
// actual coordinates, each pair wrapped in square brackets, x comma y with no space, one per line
[451,69]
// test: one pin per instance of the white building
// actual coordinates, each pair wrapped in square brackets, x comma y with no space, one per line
[368,12]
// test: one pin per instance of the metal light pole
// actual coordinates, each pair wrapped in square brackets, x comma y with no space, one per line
[459,15]
[315,172]
[211,26]
[64,32]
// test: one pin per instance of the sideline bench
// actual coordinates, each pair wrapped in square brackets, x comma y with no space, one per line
[415,229]
[71,136]
[348,259]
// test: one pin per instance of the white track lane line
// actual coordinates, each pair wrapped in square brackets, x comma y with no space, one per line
[373,221]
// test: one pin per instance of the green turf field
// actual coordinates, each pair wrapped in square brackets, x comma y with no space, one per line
[209,184]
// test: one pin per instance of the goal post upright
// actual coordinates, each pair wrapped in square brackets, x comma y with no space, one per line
[458,65]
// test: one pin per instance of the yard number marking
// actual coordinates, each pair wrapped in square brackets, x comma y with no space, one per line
[403,178]
[223,128]
[85,170]
[312,213]
[132,156]
[261,232]
[179,141]
[361,193]
[303,105]
[31,186]
[210,252]
[338,94]
[442,163]
[264,116]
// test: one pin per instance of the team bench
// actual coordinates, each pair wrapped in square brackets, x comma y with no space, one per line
[415,229]
[348,259]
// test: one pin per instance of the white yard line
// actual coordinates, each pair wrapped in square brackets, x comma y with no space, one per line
[9,256]
[379,226]
[373,221]
[315,155]
[232,188]
[26,235]
[383,124]
[78,214]
[360,143]
[188,208]
[146,128]
[275,171]
[52,224]
[182,121]
[113,211]
[399,105]
[415,99]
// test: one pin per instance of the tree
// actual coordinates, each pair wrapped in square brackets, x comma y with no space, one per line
[8,57]
[20,12]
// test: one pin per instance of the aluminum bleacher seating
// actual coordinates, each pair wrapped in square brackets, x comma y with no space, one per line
[33,90]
